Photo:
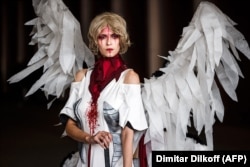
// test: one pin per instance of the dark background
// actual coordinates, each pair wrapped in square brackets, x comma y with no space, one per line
[28,135]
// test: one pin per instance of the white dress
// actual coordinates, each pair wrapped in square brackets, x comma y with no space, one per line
[118,104]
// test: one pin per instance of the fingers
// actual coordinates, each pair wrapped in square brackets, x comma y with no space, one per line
[103,139]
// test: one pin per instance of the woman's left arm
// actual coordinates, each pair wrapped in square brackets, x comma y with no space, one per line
[127,146]
[127,132]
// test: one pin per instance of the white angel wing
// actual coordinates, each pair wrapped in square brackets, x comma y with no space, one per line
[187,93]
[61,50]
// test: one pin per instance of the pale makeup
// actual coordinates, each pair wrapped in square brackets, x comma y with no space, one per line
[108,42]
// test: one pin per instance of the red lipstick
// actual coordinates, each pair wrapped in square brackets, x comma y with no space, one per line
[109,49]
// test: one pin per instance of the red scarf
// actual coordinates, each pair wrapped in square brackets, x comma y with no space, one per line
[105,70]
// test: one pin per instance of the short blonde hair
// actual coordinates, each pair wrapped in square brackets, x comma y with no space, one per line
[117,25]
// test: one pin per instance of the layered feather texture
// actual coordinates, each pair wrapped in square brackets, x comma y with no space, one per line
[61,50]
[204,63]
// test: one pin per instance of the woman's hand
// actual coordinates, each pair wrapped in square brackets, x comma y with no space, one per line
[102,138]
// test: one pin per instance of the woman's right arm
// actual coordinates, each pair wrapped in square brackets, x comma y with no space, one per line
[103,138]
[71,127]
[80,74]
[78,134]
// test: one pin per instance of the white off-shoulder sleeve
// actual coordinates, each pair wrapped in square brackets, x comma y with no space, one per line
[132,109]
[73,96]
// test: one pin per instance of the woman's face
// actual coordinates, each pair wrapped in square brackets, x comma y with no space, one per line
[108,42]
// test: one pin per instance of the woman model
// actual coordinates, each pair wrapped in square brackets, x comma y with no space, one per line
[104,111]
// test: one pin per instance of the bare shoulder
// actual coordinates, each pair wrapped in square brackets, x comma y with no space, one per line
[132,77]
[80,74]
